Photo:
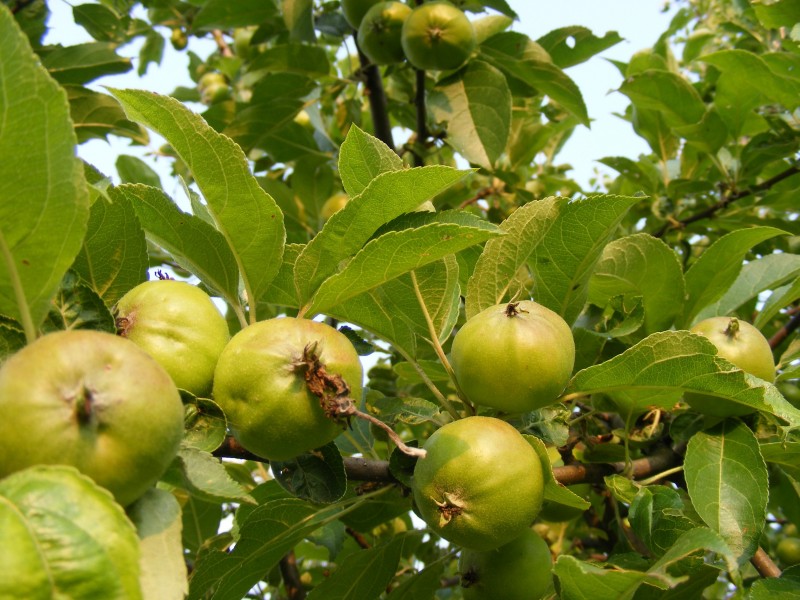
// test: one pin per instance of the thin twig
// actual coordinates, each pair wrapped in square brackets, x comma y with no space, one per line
[422,124]
[437,347]
[222,45]
[484,193]
[378,105]
[785,331]
[348,409]
[764,565]
[359,539]
[728,199]
[291,577]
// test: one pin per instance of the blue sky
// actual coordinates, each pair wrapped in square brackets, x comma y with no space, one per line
[639,23]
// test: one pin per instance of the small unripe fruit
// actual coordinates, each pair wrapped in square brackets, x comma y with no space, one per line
[380,30]
[480,484]
[179,39]
[261,383]
[746,347]
[514,357]
[521,569]
[178,325]
[93,401]
[438,36]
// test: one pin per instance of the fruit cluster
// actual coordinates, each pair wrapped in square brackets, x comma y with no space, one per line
[110,406]
[433,36]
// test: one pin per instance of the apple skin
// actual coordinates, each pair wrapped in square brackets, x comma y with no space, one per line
[177,324]
[260,385]
[746,347]
[93,401]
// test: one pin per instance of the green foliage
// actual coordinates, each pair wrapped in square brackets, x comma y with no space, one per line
[474,209]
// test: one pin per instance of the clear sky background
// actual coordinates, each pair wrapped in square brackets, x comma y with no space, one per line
[639,23]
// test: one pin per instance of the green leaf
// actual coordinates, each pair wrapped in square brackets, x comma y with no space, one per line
[193,243]
[276,99]
[100,22]
[83,63]
[777,14]
[393,313]
[521,58]
[113,258]
[766,273]
[205,424]
[64,537]
[708,135]
[157,516]
[221,14]
[96,115]
[362,158]
[134,170]
[699,578]
[386,197]
[673,362]
[583,580]
[656,517]
[554,491]
[44,204]
[77,306]
[622,488]
[728,484]
[204,476]
[438,285]
[393,254]
[245,214]
[666,92]
[201,521]
[750,71]
[475,105]
[375,312]
[265,536]
[489,25]
[779,299]
[152,52]
[785,454]
[316,476]
[560,239]
[716,269]
[299,18]
[769,589]
[569,46]
[12,338]
[293,58]
[364,575]
[412,411]
[642,266]
[422,585]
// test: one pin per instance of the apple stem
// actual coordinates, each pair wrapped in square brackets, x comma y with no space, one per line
[347,408]
[733,327]
[334,394]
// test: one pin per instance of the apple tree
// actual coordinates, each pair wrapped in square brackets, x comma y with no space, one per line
[415,357]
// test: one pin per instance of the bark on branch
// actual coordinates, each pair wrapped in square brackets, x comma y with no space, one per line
[377,471]
[726,200]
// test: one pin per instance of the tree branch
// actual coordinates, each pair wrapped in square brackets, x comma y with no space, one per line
[222,45]
[360,469]
[422,123]
[764,565]
[785,331]
[291,577]
[378,106]
[726,200]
